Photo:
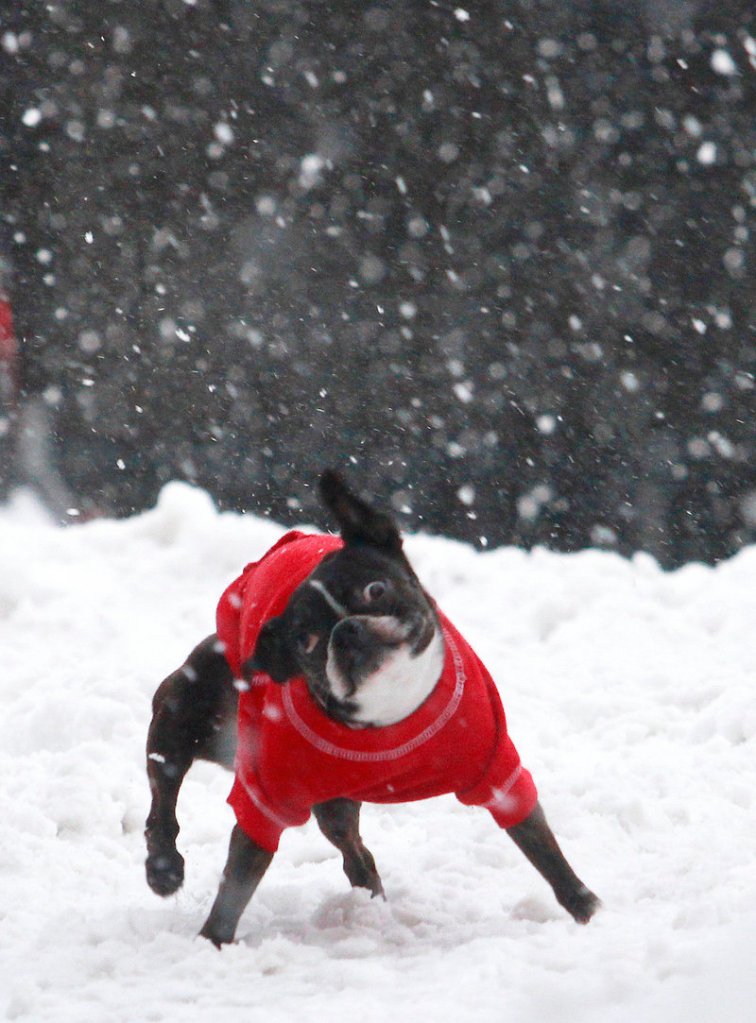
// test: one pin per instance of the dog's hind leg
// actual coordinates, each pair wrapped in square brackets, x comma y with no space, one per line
[339,820]
[194,716]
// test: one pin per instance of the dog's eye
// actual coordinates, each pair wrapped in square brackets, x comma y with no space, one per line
[307,641]
[374,590]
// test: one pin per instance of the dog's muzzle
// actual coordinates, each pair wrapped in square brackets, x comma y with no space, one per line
[365,631]
[357,648]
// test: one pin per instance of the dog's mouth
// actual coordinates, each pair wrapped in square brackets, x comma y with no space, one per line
[334,708]
[379,667]
[358,646]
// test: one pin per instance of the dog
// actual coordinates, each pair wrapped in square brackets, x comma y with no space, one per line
[333,679]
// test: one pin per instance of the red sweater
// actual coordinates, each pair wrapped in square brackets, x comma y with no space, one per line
[291,755]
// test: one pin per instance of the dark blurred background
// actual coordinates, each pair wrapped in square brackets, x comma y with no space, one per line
[495,259]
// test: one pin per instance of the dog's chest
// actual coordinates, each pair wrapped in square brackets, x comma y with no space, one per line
[402,685]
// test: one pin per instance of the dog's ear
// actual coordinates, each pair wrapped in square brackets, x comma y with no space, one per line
[358,522]
[272,654]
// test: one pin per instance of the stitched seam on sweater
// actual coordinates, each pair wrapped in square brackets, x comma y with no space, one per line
[263,807]
[500,793]
[378,756]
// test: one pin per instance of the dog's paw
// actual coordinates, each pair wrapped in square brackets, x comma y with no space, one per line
[165,872]
[581,904]
[217,939]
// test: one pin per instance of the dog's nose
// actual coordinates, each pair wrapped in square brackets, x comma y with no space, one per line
[351,633]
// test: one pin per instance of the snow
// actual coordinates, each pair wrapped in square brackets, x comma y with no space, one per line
[32,117]
[722,63]
[629,694]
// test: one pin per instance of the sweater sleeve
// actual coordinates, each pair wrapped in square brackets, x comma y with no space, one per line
[506,789]
[257,815]
[266,796]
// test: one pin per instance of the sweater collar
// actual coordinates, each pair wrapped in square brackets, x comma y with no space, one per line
[392,741]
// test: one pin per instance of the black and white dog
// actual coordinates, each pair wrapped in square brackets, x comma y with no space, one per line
[333,679]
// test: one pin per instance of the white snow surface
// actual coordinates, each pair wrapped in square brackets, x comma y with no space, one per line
[630,696]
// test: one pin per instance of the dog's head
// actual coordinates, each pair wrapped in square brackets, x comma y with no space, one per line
[360,629]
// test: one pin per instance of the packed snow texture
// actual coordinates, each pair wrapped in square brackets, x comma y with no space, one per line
[629,694]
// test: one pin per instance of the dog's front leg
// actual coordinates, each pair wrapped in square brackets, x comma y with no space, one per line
[245,866]
[536,840]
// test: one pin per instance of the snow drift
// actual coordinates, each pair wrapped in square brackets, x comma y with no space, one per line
[629,694]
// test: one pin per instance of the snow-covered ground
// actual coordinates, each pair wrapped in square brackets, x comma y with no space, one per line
[630,695]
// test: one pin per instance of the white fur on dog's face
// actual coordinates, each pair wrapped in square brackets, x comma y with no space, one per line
[402,682]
